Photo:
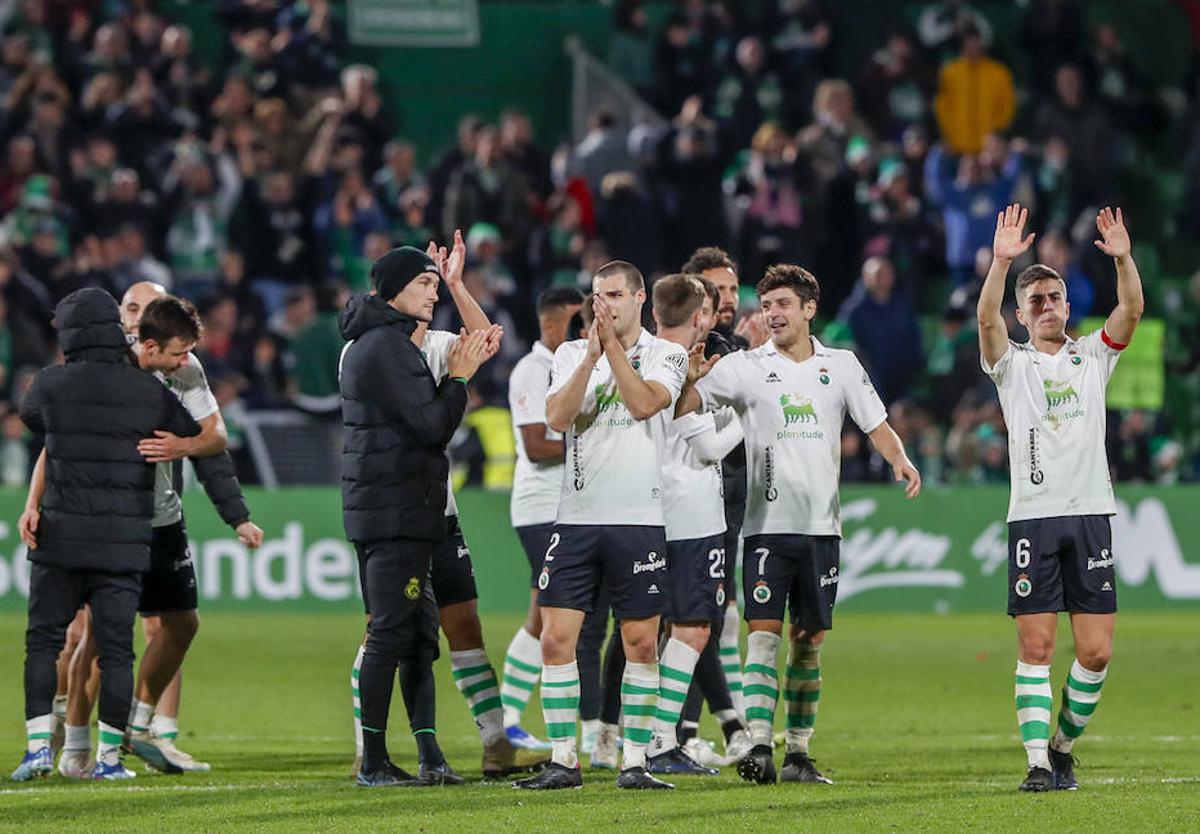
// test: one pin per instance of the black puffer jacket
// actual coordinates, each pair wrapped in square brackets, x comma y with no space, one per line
[397,424]
[93,410]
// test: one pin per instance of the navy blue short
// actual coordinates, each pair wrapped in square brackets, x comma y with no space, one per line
[453,574]
[1061,564]
[631,560]
[696,580]
[535,538]
[799,571]
[170,584]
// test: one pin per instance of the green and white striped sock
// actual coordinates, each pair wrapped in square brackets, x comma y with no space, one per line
[356,700]
[475,679]
[109,748]
[802,694]
[1081,694]
[731,658]
[164,726]
[522,666]
[639,691]
[675,670]
[37,732]
[560,709]
[762,684]
[1035,699]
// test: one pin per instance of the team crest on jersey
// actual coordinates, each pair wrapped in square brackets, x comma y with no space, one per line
[824,376]
[762,593]
[1076,360]
[1023,586]
[413,589]
[544,578]
[636,362]
[721,594]
[797,409]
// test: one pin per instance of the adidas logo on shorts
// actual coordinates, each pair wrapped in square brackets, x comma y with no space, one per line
[1107,586]
[653,589]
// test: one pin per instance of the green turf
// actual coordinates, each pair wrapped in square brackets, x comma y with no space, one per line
[916,728]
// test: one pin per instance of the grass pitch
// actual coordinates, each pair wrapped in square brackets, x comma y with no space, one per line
[916,728]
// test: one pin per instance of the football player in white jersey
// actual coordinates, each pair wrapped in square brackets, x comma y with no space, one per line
[1052,392]
[604,395]
[537,485]
[791,395]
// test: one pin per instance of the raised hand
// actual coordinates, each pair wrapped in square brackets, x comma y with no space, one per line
[1010,225]
[452,266]
[698,366]
[1115,243]
[753,328]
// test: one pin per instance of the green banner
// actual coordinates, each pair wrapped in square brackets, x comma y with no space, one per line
[946,551]
[440,23]
[1139,380]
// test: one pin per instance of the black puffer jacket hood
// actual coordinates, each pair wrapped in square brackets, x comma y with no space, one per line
[365,312]
[89,327]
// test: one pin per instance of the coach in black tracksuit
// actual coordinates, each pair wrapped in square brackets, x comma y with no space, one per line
[93,532]
[397,424]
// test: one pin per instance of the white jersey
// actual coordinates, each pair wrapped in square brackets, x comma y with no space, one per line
[191,387]
[613,471]
[693,494]
[1054,409]
[536,486]
[792,414]
[436,350]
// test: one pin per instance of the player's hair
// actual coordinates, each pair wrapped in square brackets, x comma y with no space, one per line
[586,313]
[633,275]
[1038,272]
[710,288]
[790,276]
[556,298]
[708,257]
[167,318]
[677,298]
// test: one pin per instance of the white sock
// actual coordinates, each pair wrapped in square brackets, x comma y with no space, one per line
[356,700]
[108,750]
[560,709]
[142,713]
[522,666]
[476,681]
[165,726]
[761,684]
[60,707]
[639,691]
[675,670]
[37,732]
[591,727]
[78,740]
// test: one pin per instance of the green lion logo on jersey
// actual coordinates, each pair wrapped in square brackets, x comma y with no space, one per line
[607,399]
[797,409]
[1059,393]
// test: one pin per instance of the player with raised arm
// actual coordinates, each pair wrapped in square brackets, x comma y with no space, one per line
[792,395]
[1052,392]
[604,395]
[537,486]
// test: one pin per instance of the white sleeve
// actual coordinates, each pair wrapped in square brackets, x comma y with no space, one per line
[1103,349]
[709,442]
[527,390]
[437,352]
[721,386]
[862,400]
[668,369]
[566,360]
[196,396]
[999,371]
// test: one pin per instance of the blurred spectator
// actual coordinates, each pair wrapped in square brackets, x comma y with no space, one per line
[681,68]
[316,349]
[554,250]
[14,451]
[601,151]
[631,50]
[885,329]
[1081,124]
[518,147]
[952,364]
[688,173]
[1129,436]
[748,95]
[896,87]
[768,197]
[274,234]
[802,41]
[200,196]
[975,97]
[1051,33]
[488,189]
[942,24]
[628,223]
[134,263]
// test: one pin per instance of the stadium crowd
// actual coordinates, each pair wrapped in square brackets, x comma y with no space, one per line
[262,189]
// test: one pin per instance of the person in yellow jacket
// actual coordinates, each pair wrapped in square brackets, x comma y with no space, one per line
[975,97]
